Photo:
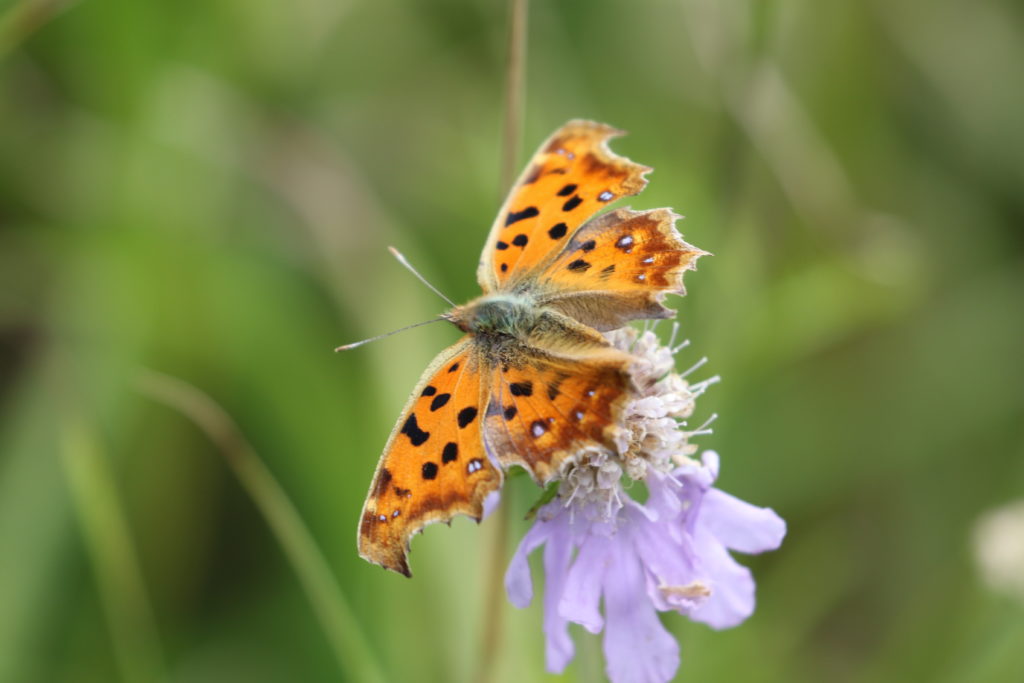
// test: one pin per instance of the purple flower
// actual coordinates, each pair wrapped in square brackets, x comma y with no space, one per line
[670,553]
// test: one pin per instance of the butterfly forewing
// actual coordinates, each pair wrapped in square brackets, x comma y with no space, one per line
[570,178]
[434,465]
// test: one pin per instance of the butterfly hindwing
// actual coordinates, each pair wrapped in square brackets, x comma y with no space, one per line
[546,408]
[434,465]
[570,178]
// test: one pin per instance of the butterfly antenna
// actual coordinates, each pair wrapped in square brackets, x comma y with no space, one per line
[353,345]
[401,259]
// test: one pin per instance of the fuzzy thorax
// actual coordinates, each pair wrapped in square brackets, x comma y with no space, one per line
[512,315]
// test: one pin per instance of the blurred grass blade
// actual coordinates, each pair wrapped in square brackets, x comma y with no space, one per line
[351,649]
[108,541]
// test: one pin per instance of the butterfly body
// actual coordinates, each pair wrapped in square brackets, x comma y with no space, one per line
[500,314]
[533,382]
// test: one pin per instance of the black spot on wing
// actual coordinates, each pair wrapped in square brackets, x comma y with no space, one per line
[567,190]
[521,388]
[466,416]
[516,216]
[416,435]
[558,231]
[572,203]
[510,412]
[430,390]
[501,246]
[588,245]
[454,367]
[520,240]
[579,266]
[439,401]
[429,470]
[450,452]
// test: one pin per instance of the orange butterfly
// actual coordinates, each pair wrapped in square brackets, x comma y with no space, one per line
[533,380]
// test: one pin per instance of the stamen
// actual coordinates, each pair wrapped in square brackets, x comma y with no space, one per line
[703,429]
[700,387]
[672,337]
[696,366]
[683,345]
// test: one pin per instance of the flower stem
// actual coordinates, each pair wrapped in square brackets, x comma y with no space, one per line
[350,646]
[515,91]
[515,96]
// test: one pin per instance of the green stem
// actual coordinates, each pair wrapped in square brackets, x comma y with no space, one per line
[515,86]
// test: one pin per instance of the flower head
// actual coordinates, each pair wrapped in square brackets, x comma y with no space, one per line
[670,553]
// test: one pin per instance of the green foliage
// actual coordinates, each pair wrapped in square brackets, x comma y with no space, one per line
[208,190]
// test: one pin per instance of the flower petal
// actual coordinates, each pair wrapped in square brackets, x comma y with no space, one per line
[732,586]
[581,598]
[637,648]
[518,583]
[740,525]
[559,648]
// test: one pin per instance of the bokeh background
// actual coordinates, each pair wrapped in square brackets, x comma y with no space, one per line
[207,190]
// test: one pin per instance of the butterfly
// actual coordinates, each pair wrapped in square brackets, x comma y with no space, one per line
[533,381]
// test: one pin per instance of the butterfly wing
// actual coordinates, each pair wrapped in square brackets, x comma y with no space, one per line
[434,465]
[570,178]
[553,401]
[618,267]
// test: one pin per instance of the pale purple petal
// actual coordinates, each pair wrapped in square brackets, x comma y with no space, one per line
[491,501]
[581,598]
[518,583]
[663,496]
[637,648]
[711,463]
[740,525]
[559,648]
[669,562]
[732,586]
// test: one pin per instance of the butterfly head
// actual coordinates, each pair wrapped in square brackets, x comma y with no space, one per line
[496,314]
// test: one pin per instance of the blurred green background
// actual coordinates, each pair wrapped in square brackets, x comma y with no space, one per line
[207,189]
